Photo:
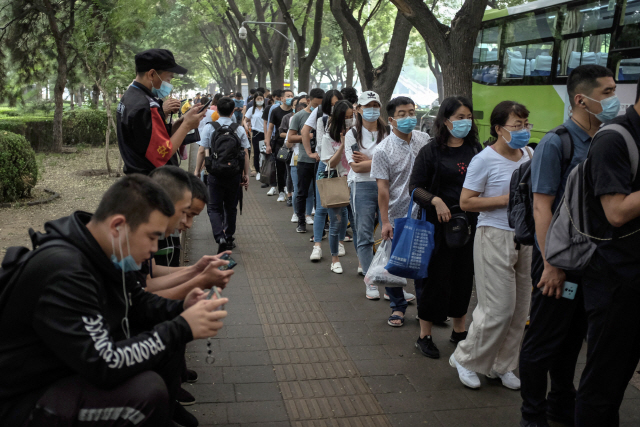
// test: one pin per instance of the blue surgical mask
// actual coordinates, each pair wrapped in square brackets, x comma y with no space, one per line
[461,128]
[289,101]
[127,263]
[406,124]
[370,114]
[610,108]
[164,91]
[312,108]
[519,138]
[275,104]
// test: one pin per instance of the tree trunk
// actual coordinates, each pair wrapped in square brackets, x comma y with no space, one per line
[262,78]
[71,105]
[304,75]
[95,96]
[38,91]
[79,96]
[58,93]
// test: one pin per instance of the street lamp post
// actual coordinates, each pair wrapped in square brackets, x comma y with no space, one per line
[242,33]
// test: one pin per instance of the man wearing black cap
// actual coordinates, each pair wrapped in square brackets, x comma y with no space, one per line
[145,140]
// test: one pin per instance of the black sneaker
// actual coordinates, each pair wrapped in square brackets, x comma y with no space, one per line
[231,243]
[191,376]
[222,245]
[184,418]
[184,397]
[302,228]
[264,185]
[289,201]
[427,347]
[456,337]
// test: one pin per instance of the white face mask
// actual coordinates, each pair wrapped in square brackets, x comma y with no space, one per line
[348,123]
[259,103]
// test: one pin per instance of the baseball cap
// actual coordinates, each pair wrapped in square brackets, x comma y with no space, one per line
[158,59]
[302,94]
[368,96]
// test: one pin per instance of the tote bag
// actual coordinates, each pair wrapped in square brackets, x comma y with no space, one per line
[334,192]
[267,169]
[413,243]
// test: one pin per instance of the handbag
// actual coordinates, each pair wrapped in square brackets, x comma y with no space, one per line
[457,232]
[284,155]
[267,169]
[334,192]
[192,136]
[413,244]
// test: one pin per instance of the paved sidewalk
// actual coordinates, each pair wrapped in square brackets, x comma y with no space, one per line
[302,346]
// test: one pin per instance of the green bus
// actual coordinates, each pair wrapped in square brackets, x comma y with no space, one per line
[525,53]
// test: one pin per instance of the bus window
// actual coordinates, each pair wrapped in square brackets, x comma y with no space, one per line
[630,35]
[531,27]
[630,12]
[582,51]
[528,60]
[595,15]
[489,45]
[628,70]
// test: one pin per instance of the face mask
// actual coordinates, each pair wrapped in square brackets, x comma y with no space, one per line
[406,124]
[127,263]
[239,102]
[289,101]
[610,108]
[331,112]
[519,138]
[370,114]
[164,91]
[461,128]
[275,104]
[259,103]
[348,123]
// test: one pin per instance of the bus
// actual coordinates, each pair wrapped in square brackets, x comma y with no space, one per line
[525,53]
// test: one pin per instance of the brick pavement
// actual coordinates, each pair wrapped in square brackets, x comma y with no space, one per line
[303,347]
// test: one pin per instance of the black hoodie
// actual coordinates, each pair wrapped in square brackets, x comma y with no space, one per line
[64,317]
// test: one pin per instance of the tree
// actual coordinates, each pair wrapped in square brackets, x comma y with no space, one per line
[381,79]
[451,45]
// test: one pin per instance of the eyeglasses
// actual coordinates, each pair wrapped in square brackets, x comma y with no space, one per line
[528,126]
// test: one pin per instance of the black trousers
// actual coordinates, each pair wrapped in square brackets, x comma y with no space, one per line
[146,399]
[447,290]
[280,178]
[551,346]
[223,206]
[255,142]
[613,351]
[306,176]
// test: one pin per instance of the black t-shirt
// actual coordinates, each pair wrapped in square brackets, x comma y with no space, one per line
[609,172]
[265,114]
[276,118]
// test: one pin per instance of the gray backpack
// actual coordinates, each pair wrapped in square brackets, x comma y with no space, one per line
[569,243]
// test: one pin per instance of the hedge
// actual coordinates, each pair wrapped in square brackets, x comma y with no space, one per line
[18,167]
[86,126]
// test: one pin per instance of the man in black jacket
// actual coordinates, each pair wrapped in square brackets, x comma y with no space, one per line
[66,351]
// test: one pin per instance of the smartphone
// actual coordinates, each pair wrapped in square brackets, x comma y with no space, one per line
[569,291]
[355,148]
[231,264]
[214,291]
[205,106]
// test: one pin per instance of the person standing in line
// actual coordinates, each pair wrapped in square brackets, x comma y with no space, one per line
[283,130]
[502,268]
[223,190]
[437,178]
[558,325]
[274,141]
[295,154]
[254,125]
[266,117]
[364,137]
[391,168]
[237,111]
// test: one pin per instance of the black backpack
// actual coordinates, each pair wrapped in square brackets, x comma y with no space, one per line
[226,156]
[520,208]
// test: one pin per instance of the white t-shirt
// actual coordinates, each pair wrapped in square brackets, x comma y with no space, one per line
[329,148]
[489,173]
[206,119]
[312,120]
[369,145]
[257,124]
[320,131]
[295,149]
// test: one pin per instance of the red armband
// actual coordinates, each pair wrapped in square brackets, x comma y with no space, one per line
[159,150]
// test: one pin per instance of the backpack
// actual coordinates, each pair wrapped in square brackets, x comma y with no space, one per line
[226,157]
[569,245]
[520,207]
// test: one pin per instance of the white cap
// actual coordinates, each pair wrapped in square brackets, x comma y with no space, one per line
[302,94]
[368,96]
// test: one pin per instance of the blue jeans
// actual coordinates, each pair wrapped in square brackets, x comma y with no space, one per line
[321,213]
[339,219]
[364,202]
[396,295]
[309,201]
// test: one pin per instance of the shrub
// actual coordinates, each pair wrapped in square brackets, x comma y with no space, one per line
[84,126]
[37,130]
[18,168]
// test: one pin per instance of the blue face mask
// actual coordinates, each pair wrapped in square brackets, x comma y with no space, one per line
[164,91]
[461,128]
[275,104]
[370,114]
[406,124]
[127,263]
[289,101]
[312,108]
[610,108]
[239,103]
[519,138]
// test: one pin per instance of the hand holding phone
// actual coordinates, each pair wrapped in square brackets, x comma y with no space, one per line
[355,148]
[205,106]
[232,262]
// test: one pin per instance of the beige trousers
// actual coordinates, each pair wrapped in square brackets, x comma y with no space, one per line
[503,285]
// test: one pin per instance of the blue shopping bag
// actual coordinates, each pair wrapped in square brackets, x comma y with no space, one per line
[413,243]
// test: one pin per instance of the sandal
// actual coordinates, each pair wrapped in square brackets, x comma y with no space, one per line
[395,317]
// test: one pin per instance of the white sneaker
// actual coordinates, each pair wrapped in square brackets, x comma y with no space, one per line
[361,273]
[309,220]
[336,267]
[282,197]
[272,191]
[341,251]
[313,212]
[509,380]
[294,218]
[258,176]
[407,296]
[316,253]
[467,377]
[372,292]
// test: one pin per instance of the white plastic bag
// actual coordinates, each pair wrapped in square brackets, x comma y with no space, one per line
[377,275]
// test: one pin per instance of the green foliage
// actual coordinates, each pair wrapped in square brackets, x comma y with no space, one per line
[40,105]
[18,167]
[84,126]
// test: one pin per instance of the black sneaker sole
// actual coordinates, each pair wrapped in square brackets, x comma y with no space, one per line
[426,354]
